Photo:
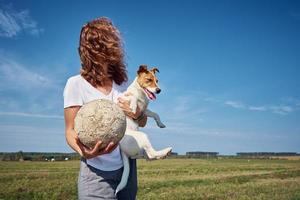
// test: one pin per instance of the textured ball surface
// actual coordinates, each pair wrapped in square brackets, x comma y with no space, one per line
[100,120]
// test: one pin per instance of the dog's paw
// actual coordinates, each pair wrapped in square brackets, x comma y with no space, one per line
[163,153]
[168,152]
[161,125]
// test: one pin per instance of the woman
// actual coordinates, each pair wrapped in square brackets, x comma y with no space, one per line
[102,76]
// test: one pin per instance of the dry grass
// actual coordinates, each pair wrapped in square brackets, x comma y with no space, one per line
[166,179]
[286,157]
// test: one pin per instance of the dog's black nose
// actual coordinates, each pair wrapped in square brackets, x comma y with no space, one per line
[158,90]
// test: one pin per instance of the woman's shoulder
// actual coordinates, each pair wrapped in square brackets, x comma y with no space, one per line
[73,83]
[72,94]
[75,78]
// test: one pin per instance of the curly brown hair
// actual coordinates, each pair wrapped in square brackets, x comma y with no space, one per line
[101,53]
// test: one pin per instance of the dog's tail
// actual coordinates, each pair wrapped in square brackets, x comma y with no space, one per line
[125,174]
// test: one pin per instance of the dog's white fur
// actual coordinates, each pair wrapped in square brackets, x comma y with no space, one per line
[135,144]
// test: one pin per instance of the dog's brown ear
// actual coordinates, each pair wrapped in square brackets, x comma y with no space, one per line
[154,70]
[143,68]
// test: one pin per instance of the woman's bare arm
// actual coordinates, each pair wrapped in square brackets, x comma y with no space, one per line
[73,140]
[125,106]
[71,135]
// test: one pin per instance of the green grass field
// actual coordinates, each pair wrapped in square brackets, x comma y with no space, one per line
[166,179]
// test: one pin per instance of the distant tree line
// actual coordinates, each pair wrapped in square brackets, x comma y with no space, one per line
[266,154]
[206,154]
[37,156]
[201,154]
[46,156]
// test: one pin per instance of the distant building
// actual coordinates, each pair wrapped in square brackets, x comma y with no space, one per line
[265,154]
[202,154]
[174,154]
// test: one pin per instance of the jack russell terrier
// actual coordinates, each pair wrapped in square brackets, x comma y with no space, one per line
[135,144]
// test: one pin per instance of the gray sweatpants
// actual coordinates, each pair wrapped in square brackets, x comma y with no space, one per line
[97,184]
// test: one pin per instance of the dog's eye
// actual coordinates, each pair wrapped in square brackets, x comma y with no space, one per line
[149,79]
[156,81]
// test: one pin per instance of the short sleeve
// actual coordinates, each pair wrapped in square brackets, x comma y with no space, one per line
[72,96]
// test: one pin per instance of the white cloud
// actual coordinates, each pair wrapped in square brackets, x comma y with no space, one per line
[16,75]
[22,114]
[183,129]
[291,101]
[281,109]
[211,99]
[27,89]
[14,22]
[257,108]
[235,104]
[183,104]
[33,138]
[184,108]
[277,109]
[32,130]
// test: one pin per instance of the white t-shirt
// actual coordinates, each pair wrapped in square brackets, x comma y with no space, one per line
[78,92]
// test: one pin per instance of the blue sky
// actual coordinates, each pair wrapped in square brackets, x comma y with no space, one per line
[229,70]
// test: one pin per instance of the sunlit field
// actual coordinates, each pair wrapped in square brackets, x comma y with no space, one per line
[165,179]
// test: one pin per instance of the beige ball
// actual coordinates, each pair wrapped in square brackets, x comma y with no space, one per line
[100,120]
